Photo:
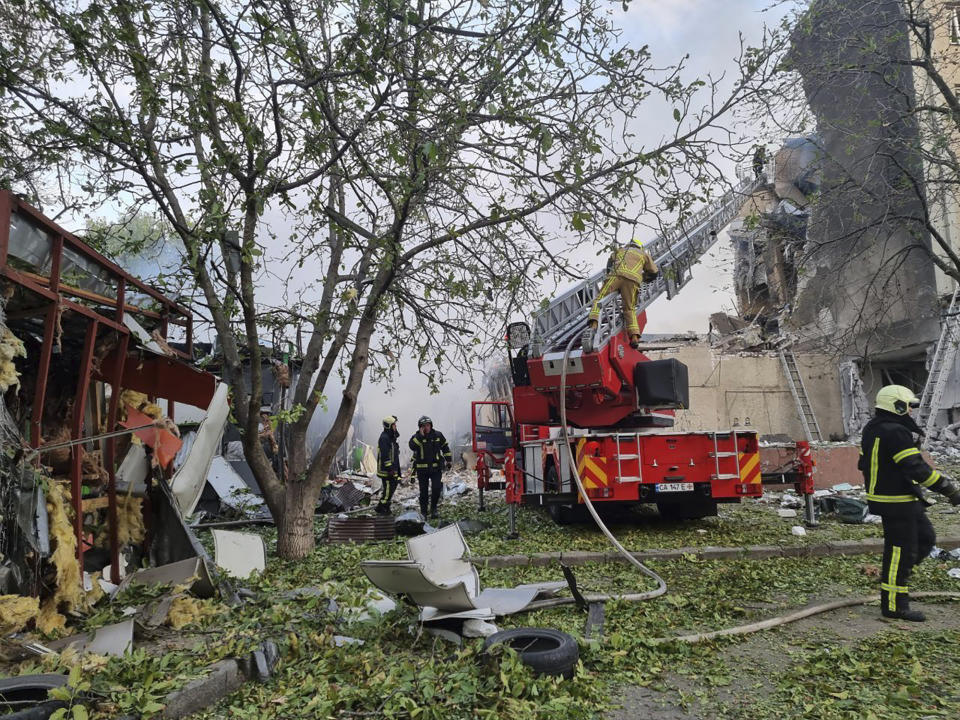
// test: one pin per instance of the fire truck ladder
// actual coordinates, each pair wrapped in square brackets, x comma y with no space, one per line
[811,428]
[944,356]
[675,253]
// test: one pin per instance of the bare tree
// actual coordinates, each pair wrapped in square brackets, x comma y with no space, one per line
[423,160]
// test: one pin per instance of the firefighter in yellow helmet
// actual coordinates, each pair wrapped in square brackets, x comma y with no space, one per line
[388,463]
[629,266]
[896,476]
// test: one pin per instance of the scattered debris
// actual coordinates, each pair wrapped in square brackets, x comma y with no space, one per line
[190,574]
[343,640]
[787,513]
[798,530]
[375,605]
[474,627]
[112,640]
[849,510]
[410,523]
[239,554]
[439,578]
[546,651]
[455,489]
[344,529]
[338,498]
[954,573]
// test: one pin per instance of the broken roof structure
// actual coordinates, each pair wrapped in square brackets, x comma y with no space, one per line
[90,354]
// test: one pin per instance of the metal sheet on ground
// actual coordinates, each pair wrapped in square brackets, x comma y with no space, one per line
[239,554]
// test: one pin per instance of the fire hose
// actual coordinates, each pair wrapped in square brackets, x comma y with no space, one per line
[596,597]
[661,584]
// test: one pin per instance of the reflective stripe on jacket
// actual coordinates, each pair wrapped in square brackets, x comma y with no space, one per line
[631,262]
[893,467]
[430,451]
[388,454]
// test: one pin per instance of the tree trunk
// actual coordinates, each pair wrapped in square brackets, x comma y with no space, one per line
[295,536]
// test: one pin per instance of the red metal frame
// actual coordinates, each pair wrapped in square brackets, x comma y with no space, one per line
[165,377]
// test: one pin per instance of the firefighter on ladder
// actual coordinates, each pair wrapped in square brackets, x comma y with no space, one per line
[896,476]
[388,463]
[629,266]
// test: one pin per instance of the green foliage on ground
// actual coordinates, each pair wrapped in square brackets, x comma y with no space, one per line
[400,672]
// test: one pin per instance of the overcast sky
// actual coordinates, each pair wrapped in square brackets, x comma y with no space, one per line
[709,32]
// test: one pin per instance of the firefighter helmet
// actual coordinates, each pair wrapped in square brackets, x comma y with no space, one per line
[389,420]
[638,242]
[896,399]
[423,421]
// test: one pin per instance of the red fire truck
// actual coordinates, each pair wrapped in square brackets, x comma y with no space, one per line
[620,407]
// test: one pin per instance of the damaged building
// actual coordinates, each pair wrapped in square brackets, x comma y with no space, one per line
[95,480]
[834,256]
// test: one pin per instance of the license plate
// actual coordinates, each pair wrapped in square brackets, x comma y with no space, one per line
[674,487]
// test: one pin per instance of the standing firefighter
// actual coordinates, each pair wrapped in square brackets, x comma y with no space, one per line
[895,475]
[388,463]
[627,269]
[431,455]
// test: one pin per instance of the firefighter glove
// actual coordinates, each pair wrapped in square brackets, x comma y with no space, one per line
[650,276]
[950,489]
[448,466]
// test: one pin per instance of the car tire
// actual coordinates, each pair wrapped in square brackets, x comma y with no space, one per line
[545,651]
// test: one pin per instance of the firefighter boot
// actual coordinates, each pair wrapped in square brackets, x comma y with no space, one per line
[903,611]
[634,341]
[433,513]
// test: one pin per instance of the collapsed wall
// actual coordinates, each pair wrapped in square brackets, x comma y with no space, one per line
[867,288]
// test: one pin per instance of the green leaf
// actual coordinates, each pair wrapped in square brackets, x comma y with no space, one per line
[79,712]
[676,114]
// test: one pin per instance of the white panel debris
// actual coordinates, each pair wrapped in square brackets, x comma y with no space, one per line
[439,578]
[239,554]
[189,479]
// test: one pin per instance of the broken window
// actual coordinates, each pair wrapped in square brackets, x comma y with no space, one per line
[30,246]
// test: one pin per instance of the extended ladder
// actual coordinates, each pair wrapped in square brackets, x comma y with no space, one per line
[811,427]
[675,253]
[944,357]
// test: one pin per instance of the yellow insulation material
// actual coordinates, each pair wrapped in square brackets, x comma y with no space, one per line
[69,592]
[50,621]
[16,611]
[186,610]
[130,527]
[139,401]
[10,347]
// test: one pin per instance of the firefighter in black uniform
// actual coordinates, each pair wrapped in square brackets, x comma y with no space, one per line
[431,455]
[896,476]
[388,463]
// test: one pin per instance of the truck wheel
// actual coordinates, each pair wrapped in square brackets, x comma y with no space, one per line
[687,511]
[560,514]
[546,651]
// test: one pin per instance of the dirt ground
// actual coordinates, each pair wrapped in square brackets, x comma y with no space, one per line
[765,655]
